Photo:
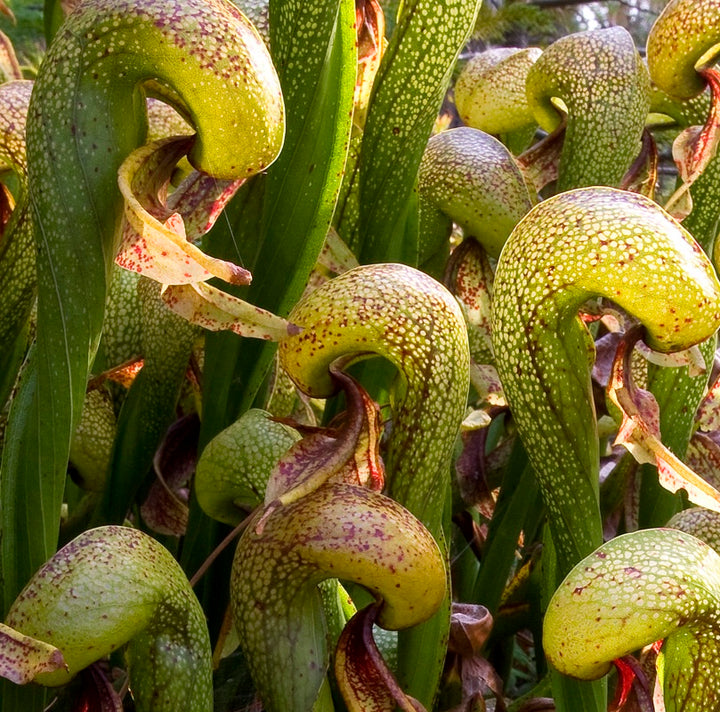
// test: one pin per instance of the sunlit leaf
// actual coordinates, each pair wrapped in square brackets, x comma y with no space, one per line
[694,148]
[336,255]
[703,456]
[9,65]
[347,453]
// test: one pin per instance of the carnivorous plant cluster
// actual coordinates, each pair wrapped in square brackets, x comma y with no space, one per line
[312,399]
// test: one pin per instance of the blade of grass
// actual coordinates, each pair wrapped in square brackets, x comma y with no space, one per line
[406,97]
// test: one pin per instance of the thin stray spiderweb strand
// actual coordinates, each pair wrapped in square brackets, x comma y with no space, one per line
[239,260]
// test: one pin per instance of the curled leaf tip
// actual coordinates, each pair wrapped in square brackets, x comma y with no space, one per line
[115,586]
[683,39]
[337,530]
[635,590]
[348,452]
[490,91]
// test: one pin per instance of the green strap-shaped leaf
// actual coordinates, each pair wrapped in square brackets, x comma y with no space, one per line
[518,497]
[317,76]
[53,18]
[405,101]
[277,226]
[149,408]
[87,114]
